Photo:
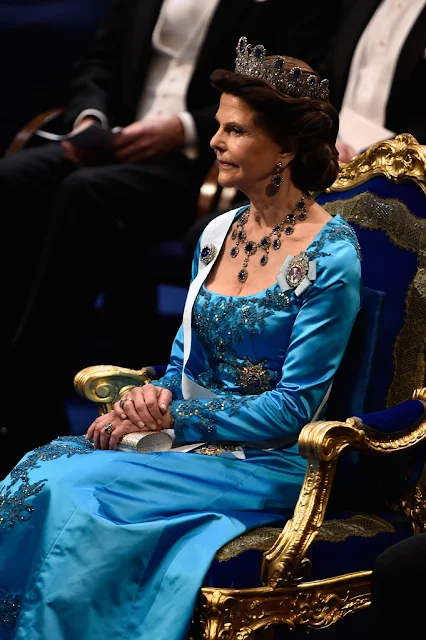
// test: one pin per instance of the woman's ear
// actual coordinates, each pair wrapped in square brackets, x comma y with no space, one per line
[286,157]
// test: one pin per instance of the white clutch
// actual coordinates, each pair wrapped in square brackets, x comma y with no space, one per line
[147,441]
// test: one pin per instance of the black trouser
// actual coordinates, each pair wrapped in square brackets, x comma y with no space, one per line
[399,589]
[72,233]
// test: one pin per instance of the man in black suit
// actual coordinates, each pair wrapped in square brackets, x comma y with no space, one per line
[95,216]
[398,589]
[90,203]
[403,46]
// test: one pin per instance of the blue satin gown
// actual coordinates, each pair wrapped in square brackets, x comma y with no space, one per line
[115,545]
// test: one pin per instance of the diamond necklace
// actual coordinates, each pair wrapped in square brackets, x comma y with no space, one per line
[250,247]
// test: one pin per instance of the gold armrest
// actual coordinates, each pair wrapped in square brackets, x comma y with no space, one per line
[105,384]
[285,563]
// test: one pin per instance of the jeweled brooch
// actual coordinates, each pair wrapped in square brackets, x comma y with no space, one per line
[297,273]
[254,377]
[208,253]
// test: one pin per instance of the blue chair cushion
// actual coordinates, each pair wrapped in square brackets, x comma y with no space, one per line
[395,419]
[352,382]
[388,268]
[372,481]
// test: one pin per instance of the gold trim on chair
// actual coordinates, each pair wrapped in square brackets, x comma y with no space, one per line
[321,443]
[399,159]
[236,614]
[105,384]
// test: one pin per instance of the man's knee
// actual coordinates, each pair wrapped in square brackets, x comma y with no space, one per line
[79,194]
[31,171]
[80,181]
[13,166]
[402,561]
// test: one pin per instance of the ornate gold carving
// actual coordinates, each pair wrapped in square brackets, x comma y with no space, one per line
[400,443]
[215,614]
[285,562]
[236,614]
[414,506]
[320,442]
[105,384]
[420,394]
[385,442]
[399,159]
[393,217]
[325,439]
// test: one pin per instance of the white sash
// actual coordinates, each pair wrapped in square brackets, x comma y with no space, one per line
[213,234]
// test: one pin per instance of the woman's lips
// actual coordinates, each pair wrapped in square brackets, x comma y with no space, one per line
[225,164]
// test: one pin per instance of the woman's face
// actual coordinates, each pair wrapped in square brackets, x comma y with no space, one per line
[246,154]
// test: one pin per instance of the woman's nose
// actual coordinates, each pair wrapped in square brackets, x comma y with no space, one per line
[216,142]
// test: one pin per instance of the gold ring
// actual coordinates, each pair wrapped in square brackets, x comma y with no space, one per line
[123,400]
[108,428]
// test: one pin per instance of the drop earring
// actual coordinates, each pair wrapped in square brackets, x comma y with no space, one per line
[276,178]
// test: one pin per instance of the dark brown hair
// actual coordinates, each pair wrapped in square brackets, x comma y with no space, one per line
[306,126]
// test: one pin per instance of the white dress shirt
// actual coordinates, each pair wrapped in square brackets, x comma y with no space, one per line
[363,112]
[176,41]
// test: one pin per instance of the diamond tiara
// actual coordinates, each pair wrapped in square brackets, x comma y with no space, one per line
[251,61]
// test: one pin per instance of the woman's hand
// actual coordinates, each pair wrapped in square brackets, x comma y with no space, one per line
[147,408]
[144,409]
[108,430]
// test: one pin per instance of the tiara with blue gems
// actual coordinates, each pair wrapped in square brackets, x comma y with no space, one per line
[251,61]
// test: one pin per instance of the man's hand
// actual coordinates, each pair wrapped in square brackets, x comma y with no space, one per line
[346,151]
[148,139]
[80,157]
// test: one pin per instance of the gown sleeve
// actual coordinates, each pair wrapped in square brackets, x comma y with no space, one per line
[317,343]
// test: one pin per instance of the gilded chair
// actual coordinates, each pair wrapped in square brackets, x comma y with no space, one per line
[365,487]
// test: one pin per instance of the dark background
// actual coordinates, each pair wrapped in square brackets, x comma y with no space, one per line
[39,41]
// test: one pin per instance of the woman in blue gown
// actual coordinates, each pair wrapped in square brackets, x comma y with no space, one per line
[103,543]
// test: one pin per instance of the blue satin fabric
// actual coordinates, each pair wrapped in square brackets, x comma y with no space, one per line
[116,545]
